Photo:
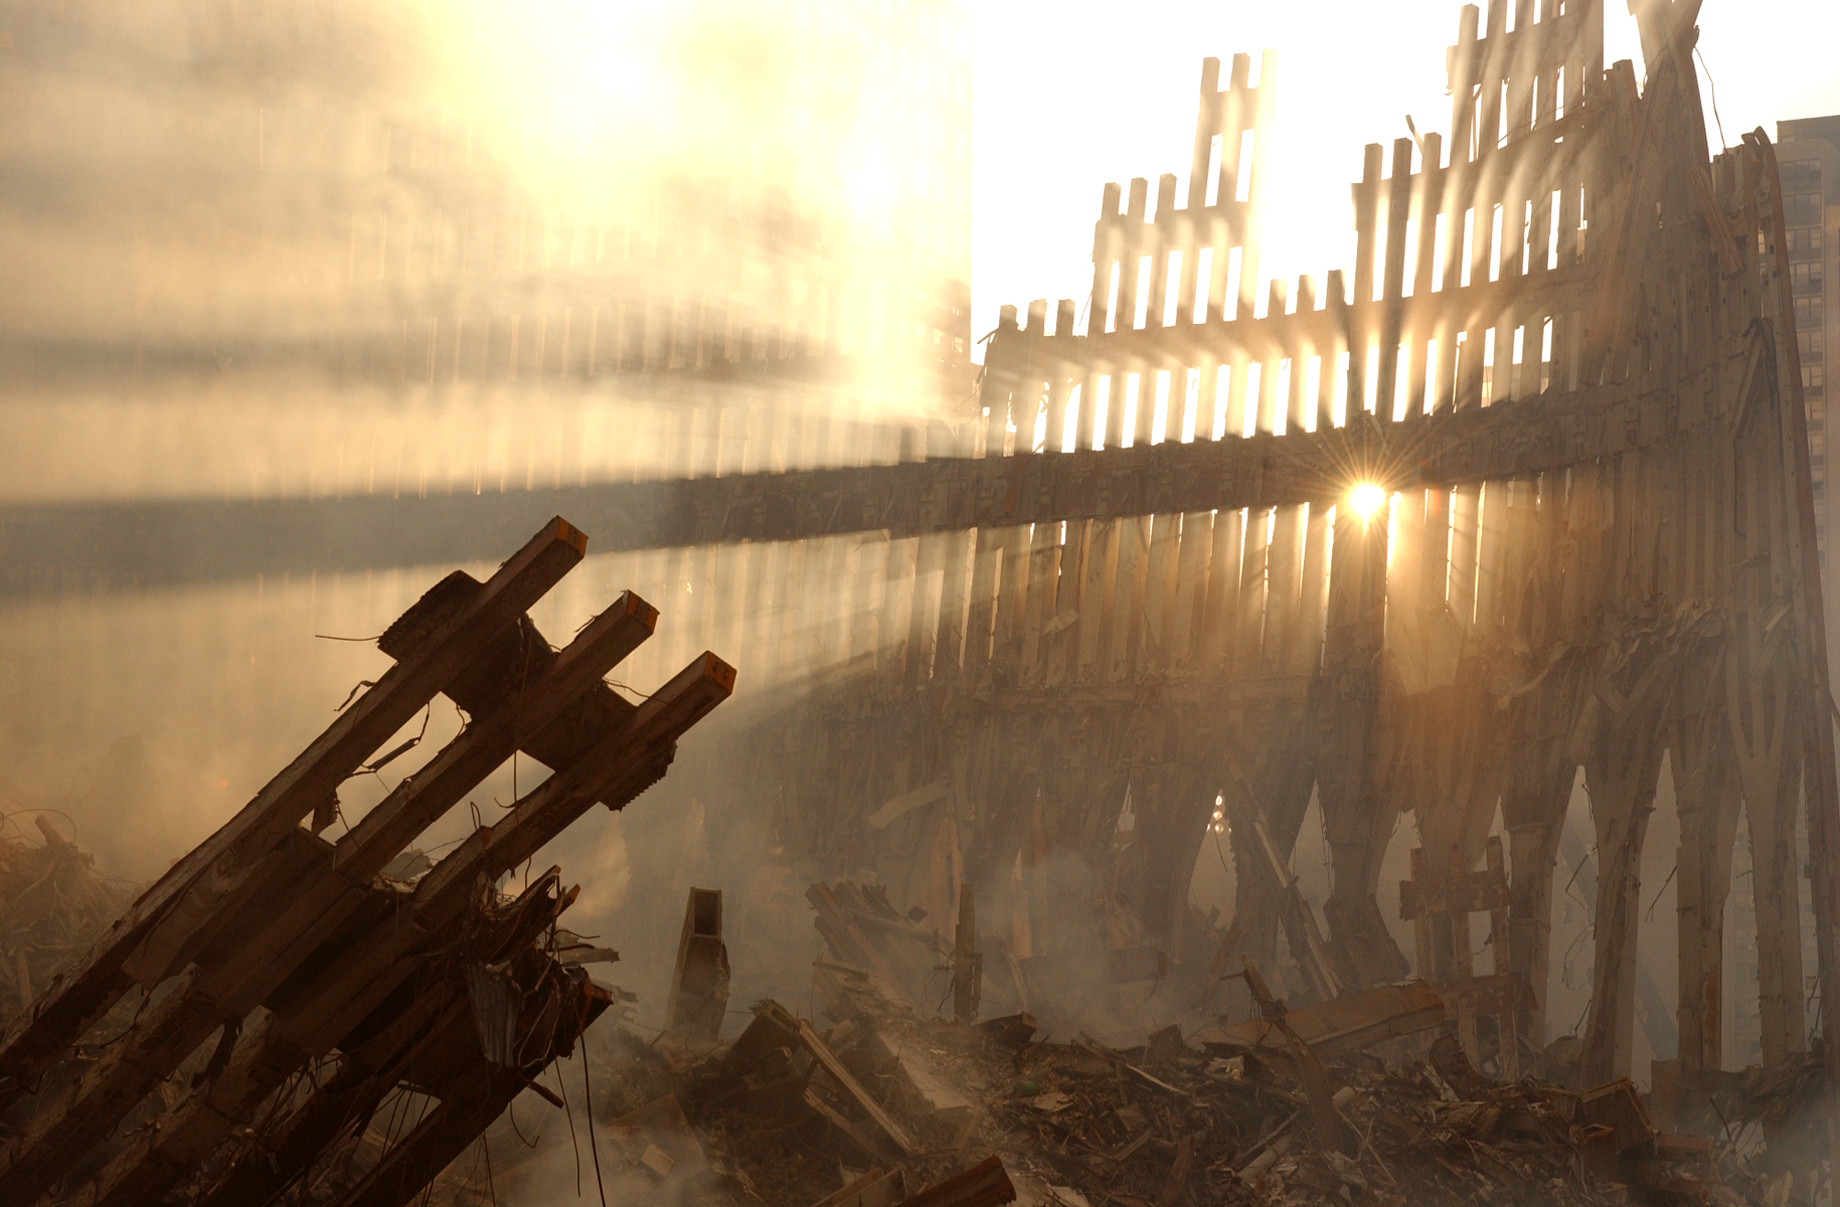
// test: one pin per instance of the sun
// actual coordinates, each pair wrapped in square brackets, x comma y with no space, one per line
[1367,498]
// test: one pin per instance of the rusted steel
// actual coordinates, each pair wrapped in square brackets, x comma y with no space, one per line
[310,931]
[985,1184]
[211,871]
[698,995]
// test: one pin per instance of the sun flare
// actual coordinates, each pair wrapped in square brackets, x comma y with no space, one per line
[1366,499]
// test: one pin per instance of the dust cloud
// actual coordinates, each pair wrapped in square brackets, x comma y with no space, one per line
[326,248]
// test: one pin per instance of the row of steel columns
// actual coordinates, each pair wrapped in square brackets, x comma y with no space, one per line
[1720,703]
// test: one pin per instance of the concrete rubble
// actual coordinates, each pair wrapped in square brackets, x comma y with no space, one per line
[876,1103]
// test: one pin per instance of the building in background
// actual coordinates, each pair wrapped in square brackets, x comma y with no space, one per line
[487,192]
[1809,159]
[1808,156]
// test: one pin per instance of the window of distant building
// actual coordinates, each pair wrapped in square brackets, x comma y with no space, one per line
[1801,175]
[1801,209]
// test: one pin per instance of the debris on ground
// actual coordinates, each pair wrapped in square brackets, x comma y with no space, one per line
[873,1103]
[287,1020]
[53,904]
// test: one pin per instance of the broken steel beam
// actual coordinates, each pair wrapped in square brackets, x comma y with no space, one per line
[259,947]
[1346,1024]
[445,1131]
[821,1052]
[188,894]
[273,916]
[314,1015]
[698,996]
[985,1184]
[431,1015]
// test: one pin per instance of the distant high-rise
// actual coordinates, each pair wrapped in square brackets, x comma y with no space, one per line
[1808,156]
[486,192]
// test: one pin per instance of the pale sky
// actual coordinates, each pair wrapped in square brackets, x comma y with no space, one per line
[1071,94]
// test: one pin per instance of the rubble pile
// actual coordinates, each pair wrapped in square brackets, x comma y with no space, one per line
[875,1100]
[1367,1099]
[1169,1122]
[53,904]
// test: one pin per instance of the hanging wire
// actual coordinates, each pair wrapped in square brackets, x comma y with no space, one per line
[587,1093]
[384,760]
[511,1113]
[570,1112]
[353,694]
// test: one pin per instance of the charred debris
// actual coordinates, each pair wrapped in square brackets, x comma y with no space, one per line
[875,1101]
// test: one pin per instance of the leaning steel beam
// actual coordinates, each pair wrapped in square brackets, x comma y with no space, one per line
[185,898]
[262,948]
[341,1105]
[314,1016]
[150,543]
[446,1131]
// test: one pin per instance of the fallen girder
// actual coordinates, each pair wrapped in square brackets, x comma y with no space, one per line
[288,947]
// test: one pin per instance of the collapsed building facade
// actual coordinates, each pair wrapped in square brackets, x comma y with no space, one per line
[1566,361]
